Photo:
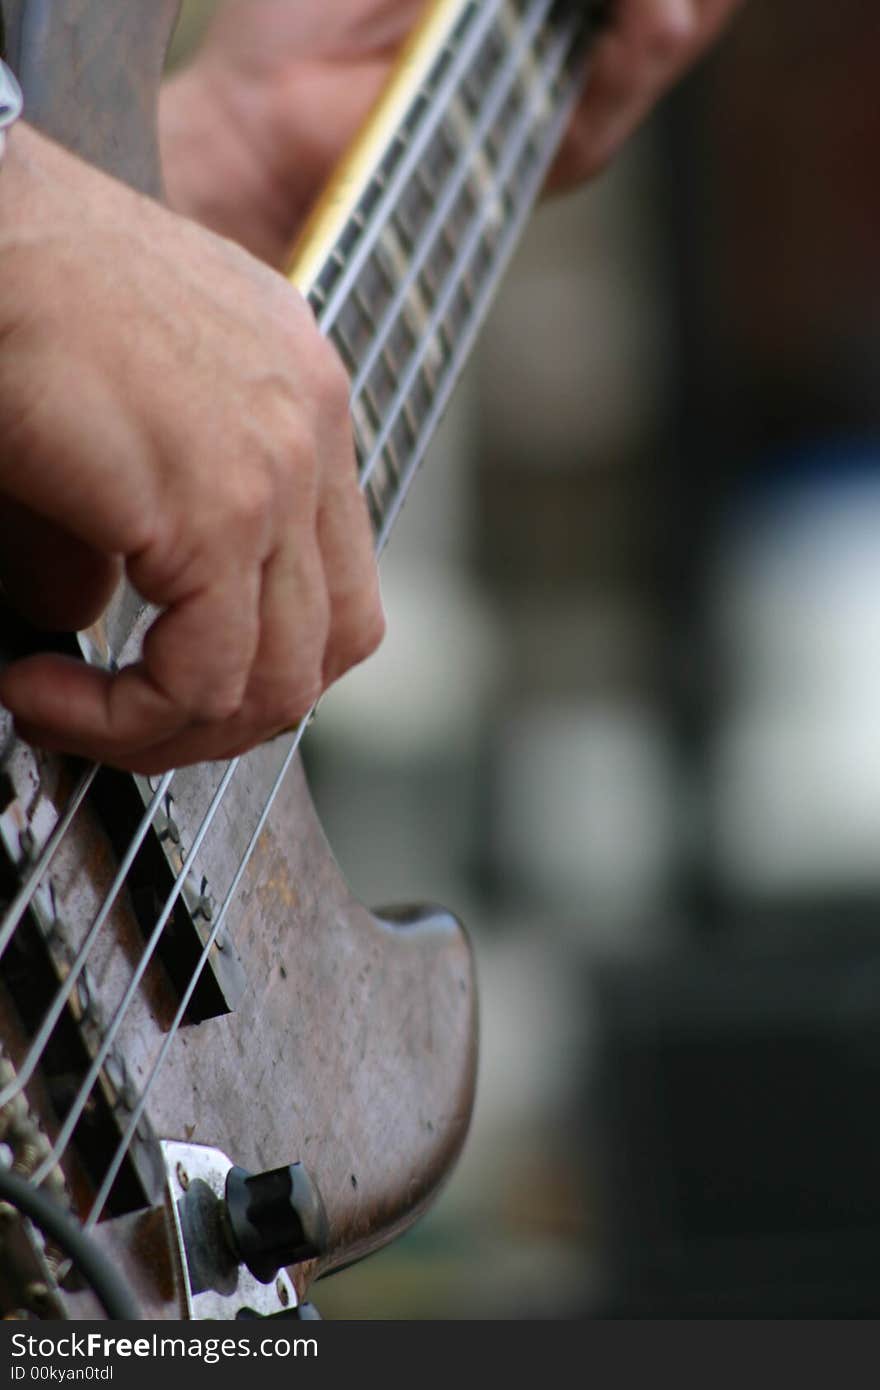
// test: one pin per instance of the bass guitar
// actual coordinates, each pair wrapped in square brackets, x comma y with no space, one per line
[220,1075]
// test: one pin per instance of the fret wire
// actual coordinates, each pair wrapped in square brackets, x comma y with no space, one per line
[340,342]
[401,233]
[26,893]
[411,419]
[363,306]
[364,428]
[80,1100]
[503,254]
[437,225]
[366,399]
[425,182]
[518,142]
[415,150]
[77,965]
[375,508]
[389,360]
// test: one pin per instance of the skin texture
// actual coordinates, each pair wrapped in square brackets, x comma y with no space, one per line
[251,130]
[167,406]
[191,425]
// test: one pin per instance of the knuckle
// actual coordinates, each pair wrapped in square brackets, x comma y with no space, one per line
[256,498]
[297,462]
[164,555]
[220,706]
[290,458]
[244,506]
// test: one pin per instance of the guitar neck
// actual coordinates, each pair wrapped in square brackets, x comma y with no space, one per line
[401,258]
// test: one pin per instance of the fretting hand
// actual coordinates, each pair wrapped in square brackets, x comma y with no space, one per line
[251,130]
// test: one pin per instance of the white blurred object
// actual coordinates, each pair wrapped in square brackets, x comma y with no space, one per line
[426,690]
[586,810]
[424,693]
[797,765]
[576,350]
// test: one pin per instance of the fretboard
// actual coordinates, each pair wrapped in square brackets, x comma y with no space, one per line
[423,228]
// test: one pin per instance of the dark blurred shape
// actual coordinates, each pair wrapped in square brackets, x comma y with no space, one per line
[736,1132]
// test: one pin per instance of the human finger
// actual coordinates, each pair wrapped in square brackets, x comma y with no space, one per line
[197,659]
[647,45]
[285,678]
[345,536]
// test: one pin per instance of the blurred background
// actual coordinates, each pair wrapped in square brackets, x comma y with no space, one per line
[625,722]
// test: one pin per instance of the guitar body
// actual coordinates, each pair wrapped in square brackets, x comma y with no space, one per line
[348,1042]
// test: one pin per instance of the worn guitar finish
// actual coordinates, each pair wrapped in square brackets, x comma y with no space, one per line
[351,1042]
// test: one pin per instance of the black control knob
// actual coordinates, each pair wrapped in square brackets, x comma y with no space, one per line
[275,1218]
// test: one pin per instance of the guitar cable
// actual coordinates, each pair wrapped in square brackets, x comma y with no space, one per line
[85,1254]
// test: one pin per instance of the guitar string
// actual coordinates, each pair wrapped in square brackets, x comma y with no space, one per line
[440,310]
[77,965]
[84,1091]
[497,93]
[80,1101]
[140,1105]
[507,79]
[503,253]
[433,329]
[440,99]
[26,893]
[529,192]
[122,1010]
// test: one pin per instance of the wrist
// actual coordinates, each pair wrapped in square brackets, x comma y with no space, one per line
[215,169]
